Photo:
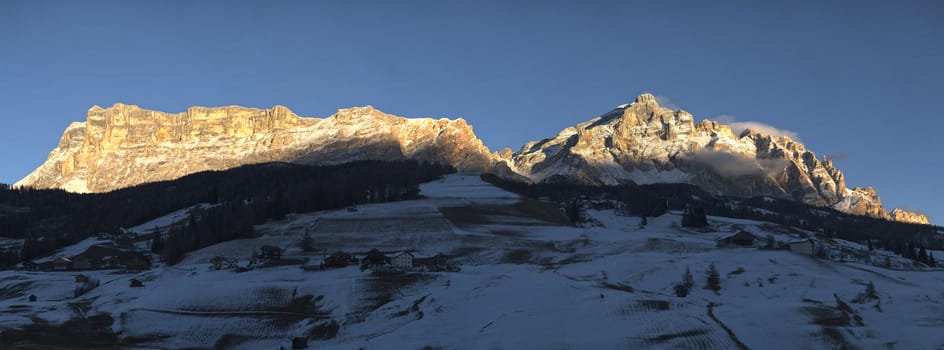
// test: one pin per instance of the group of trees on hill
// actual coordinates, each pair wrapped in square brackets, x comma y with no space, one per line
[657,199]
[909,249]
[241,197]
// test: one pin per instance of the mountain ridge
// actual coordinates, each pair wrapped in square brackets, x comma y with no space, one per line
[642,142]
[639,142]
[125,145]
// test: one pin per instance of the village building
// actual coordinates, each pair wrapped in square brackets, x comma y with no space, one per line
[271,252]
[740,239]
[217,262]
[374,258]
[137,262]
[81,278]
[110,262]
[82,264]
[30,266]
[403,260]
[62,264]
[436,263]
[339,259]
[32,298]
[805,246]
[136,283]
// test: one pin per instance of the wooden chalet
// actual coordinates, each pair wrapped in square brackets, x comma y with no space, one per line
[62,264]
[804,246]
[374,258]
[137,262]
[339,259]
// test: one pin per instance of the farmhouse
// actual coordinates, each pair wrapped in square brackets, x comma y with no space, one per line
[802,246]
[271,252]
[374,258]
[740,239]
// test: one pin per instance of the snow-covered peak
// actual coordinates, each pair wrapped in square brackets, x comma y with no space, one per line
[643,142]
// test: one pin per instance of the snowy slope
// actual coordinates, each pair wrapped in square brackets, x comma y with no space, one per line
[525,283]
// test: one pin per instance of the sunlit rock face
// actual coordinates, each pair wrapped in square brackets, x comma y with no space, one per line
[907,216]
[643,142]
[125,145]
[640,142]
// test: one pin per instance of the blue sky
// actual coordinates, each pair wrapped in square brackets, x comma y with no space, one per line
[859,80]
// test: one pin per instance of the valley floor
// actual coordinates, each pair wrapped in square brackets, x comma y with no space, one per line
[526,282]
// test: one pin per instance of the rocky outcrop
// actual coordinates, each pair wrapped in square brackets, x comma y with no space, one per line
[907,216]
[643,143]
[125,145]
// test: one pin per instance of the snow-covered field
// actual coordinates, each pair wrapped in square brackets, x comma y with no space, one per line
[525,283]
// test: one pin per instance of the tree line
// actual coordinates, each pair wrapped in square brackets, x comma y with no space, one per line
[656,199]
[237,199]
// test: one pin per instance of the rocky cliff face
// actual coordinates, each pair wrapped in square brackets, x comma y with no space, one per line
[643,143]
[640,142]
[906,216]
[125,145]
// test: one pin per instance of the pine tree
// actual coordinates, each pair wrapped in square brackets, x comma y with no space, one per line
[157,243]
[714,279]
[923,255]
[870,292]
[931,261]
[870,244]
[573,211]
[682,289]
[687,278]
[307,243]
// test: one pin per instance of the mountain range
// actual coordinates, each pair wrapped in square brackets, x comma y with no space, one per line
[636,143]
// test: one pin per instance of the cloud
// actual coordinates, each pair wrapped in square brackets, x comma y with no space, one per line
[664,101]
[739,127]
[837,157]
[730,165]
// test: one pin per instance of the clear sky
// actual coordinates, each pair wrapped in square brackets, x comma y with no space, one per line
[859,80]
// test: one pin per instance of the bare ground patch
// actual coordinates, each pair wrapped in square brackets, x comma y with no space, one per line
[538,212]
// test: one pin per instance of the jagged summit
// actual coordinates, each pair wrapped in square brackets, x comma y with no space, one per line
[639,142]
[125,145]
[643,142]
[646,98]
